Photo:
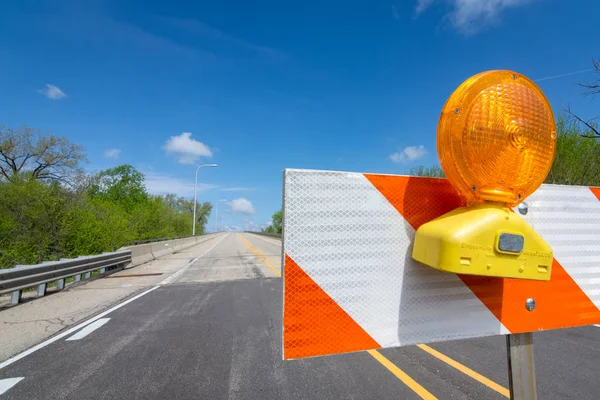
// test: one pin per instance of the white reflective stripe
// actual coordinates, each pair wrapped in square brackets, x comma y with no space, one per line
[356,246]
[568,218]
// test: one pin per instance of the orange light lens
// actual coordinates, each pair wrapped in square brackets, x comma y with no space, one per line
[496,137]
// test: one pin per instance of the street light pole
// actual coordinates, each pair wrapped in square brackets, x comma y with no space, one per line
[217,214]
[195,186]
[223,221]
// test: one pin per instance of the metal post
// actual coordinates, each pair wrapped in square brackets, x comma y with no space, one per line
[195,186]
[87,275]
[521,368]
[60,284]
[217,214]
[41,291]
[15,297]
[77,277]
[223,220]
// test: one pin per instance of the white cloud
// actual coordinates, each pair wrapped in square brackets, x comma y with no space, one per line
[186,149]
[112,153]
[470,16]
[237,189]
[409,153]
[52,92]
[163,184]
[422,5]
[243,206]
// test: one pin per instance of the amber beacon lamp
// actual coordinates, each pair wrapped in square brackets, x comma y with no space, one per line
[496,141]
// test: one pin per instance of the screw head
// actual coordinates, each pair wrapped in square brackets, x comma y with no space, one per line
[530,304]
[523,209]
[457,110]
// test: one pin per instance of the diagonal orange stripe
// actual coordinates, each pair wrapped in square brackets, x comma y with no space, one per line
[560,302]
[596,191]
[313,323]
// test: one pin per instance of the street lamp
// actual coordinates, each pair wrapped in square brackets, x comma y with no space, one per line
[223,221]
[217,214]
[195,186]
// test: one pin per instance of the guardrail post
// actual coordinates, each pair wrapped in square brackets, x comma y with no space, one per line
[87,275]
[15,297]
[102,270]
[60,284]
[521,368]
[77,277]
[41,291]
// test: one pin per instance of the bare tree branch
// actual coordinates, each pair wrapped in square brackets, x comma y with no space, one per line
[27,152]
[589,125]
[593,88]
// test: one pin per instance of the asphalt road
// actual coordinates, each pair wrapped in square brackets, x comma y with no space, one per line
[213,331]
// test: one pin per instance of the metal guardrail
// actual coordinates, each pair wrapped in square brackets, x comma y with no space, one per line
[136,242]
[275,235]
[14,280]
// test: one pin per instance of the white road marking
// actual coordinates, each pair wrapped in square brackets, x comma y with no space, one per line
[182,270]
[72,330]
[597,326]
[89,329]
[6,384]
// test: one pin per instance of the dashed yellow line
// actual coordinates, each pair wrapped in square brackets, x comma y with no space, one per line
[403,376]
[259,255]
[466,370]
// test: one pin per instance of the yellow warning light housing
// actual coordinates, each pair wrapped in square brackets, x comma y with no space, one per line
[496,142]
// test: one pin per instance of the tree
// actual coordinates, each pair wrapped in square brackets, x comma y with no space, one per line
[123,185]
[434,171]
[31,214]
[26,152]
[276,224]
[577,159]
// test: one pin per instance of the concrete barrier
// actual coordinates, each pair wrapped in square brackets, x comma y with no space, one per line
[144,253]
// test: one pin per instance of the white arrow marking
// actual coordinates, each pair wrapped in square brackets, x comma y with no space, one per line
[89,329]
[73,329]
[6,384]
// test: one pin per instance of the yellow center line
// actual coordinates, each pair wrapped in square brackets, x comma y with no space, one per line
[275,261]
[407,380]
[258,255]
[261,253]
[466,370]
[265,255]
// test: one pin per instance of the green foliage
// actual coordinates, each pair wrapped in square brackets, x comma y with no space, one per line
[435,171]
[43,221]
[123,185]
[276,225]
[577,160]
[277,220]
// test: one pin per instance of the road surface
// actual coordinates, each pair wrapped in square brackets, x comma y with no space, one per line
[211,329]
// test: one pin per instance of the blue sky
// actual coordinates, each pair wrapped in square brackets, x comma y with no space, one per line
[261,86]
